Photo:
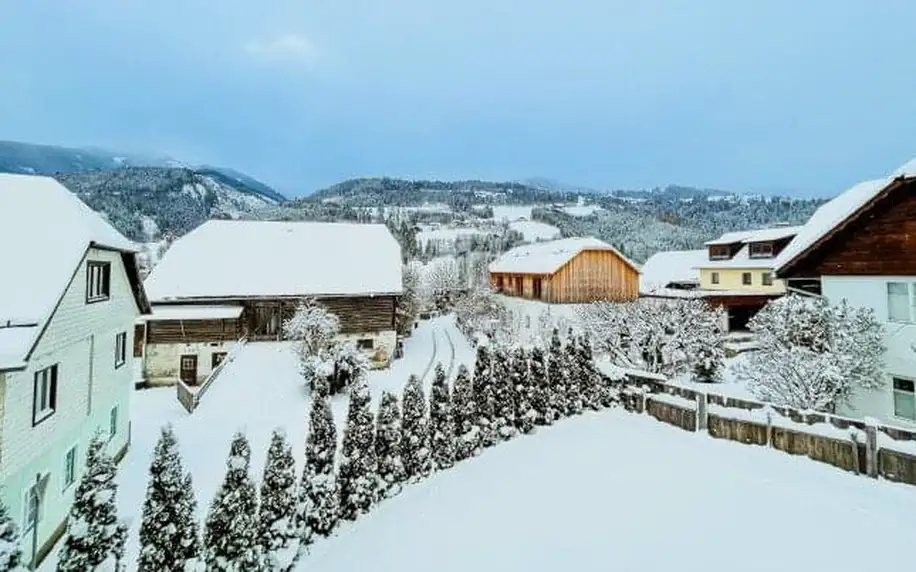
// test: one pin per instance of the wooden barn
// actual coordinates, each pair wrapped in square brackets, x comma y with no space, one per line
[232,279]
[570,270]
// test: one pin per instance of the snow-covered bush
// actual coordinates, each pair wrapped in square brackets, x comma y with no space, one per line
[388,446]
[813,355]
[589,378]
[442,429]
[411,299]
[169,535]
[572,368]
[503,394]
[279,538]
[415,447]
[523,392]
[231,528]
[348,363]
[10,553]
[318,507]
[314,330]
[441,276]
[94,537]
[481,315]
[464,410]
[357,477]
[484,396]
[557,377]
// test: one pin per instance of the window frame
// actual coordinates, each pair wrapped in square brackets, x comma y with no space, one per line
[365,344]
[69,472]
[766,278]
[714,277]
[98,273]
[911,393]
[217,358]
[747,278]
[761,250]
[910,294]
[48,377]
[120,349]
[719,252]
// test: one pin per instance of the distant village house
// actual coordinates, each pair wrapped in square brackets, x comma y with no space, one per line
[228,280]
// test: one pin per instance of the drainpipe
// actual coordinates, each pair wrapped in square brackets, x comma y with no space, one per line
[33,564]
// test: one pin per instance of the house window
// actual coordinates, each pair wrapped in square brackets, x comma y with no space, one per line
[216,358]
[720,252]
[365,344]
[113,422]
[98,281]
[70,467]
[746,278]
[120,349]
[905,398]
[715,277]
[31,506]
[761,249]
[44,398]
[899,308]
[139,336]
[767,278]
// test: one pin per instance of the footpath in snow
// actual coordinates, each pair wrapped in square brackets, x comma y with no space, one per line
[617,491]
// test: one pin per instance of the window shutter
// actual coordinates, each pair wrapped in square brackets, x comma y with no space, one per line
[35,395]
[53,398]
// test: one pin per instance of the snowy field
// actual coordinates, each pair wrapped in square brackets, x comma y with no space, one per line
[581,210]
[534,231]
[512,212]
[617,491]
[439,235]
[259,391]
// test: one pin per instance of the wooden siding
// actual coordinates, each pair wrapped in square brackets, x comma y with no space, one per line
[590,275]
[362,314]
[192,331]
[880,242]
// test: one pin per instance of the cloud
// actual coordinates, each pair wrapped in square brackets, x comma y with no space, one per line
[289,48]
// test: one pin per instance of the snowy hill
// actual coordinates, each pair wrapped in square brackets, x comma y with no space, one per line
[616,491]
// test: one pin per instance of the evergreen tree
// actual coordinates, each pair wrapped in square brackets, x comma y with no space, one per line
[540,387]
[525,414]
[415,449]
[503,395]
[231,529]
[357,477]
[388,446]
[464,416]
[573,378]
[442,429]
[277,516]
[318,507]
[93,535]
[10,553]
[169,536]
[588,375]
[557,378]
[484,398]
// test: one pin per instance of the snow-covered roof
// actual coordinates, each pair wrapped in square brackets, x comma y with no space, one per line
[837,211]
[45,231]
[195,312]
[760,235]
[662,268]
[548,257]
[241,259]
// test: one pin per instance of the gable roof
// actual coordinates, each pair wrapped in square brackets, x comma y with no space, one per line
[548,257]
[45,231]
[838,212]
[763,234]
[241,259]
[662,268]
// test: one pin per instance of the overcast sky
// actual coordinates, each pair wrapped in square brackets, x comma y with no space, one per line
[776,95]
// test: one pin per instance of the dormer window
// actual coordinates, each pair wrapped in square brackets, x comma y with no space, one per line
[98,281]
[719,252]
[761,250]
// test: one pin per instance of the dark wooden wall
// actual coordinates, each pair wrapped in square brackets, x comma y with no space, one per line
[881,241]
[192,331]
[357,314]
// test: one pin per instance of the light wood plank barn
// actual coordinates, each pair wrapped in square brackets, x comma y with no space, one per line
[570,270]
[231,279]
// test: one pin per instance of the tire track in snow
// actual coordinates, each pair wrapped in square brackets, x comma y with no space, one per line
[451,345]
[432,358]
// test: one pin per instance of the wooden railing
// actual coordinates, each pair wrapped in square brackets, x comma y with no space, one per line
[190,397]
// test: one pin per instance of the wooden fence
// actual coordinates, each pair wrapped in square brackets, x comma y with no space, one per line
[850,444]
[190,397]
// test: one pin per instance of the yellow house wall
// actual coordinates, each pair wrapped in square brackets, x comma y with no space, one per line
[730,279]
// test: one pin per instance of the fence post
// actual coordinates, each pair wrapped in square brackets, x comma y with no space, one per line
[871,450]
[702,421]
[769,426]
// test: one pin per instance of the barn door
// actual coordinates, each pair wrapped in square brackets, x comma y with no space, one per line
[189,369]
[536,288]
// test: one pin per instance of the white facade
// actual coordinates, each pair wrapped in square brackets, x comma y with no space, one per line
[93,388]
[162,362]
[899,339]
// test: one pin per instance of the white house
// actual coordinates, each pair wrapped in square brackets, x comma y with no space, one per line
[67,310]
[231,279]
[861,247]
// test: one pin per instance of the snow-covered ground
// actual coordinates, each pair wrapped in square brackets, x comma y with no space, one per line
[581,210]
[617,491]
[446,235]
[512,212]
[534,231]
[259,391]
[730,386]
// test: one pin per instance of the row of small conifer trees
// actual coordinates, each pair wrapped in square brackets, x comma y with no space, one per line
[512,391]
